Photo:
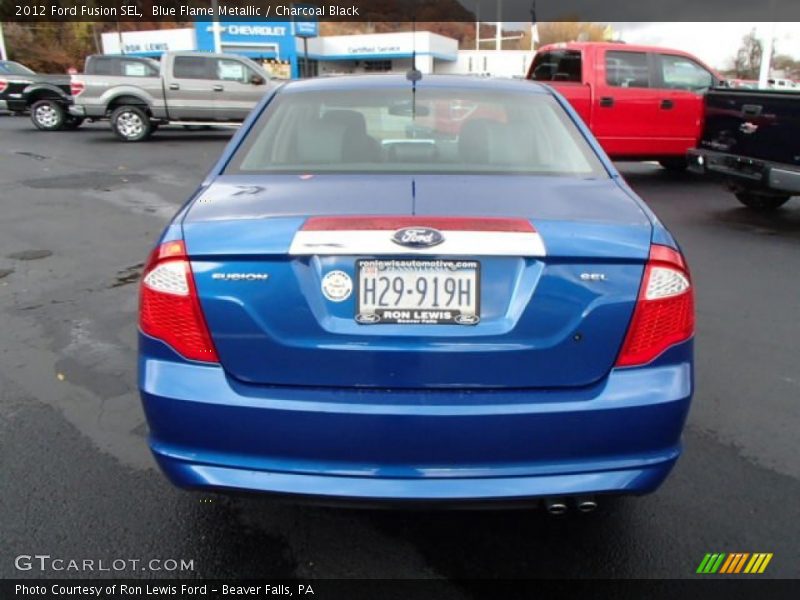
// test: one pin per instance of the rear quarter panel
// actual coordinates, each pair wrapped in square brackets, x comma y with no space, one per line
[102,90]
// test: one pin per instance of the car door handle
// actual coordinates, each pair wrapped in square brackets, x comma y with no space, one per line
[218,88]
[751,110]
[174,86]
[606,101]
[667,104]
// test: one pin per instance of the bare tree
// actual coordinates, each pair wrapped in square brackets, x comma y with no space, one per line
[747,61]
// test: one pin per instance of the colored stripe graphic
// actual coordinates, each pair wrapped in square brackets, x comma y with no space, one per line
[740,564]
[711,563]
[717,563]
[767,558]
[727,564]
[703,563]
[755,561]
[459,236]
[734,563]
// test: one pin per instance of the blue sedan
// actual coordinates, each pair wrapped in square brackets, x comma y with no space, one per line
[403,290]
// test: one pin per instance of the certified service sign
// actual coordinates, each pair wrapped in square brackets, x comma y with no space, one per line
[337,286]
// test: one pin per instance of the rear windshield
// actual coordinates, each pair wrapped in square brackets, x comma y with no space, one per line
[12,68]
[557,65]
[435,130]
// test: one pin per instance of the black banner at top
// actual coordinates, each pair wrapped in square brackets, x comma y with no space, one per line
[400,10]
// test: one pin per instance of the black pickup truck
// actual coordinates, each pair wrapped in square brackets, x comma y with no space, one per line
[751,139]
[46,97]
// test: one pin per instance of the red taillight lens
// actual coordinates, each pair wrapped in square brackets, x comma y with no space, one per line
[76,88]
[3,85]
[664,313]
[169,308]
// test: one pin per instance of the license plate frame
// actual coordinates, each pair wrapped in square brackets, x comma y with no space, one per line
[417,315]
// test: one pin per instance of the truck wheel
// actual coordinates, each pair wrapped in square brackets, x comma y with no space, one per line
[47,115]
[72,123]
[131,124]
[763,202]
[674,165]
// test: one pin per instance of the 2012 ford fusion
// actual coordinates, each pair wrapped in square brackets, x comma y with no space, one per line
[401,290]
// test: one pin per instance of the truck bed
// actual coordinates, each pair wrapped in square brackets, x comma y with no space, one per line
[758,124]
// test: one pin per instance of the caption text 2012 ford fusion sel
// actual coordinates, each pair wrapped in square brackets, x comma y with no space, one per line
[401,290]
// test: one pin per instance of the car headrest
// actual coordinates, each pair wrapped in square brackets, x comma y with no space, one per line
[352,120]
[320,141]
[486,141]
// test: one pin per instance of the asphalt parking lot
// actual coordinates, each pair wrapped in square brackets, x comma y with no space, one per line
[78,214]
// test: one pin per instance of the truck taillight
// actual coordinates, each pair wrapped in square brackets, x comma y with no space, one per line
[3,85]
[664,313]
[76,88]
[169,308]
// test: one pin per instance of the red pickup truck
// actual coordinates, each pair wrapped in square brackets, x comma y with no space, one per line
[641,102]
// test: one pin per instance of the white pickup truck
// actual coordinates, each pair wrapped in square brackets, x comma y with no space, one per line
[190,88]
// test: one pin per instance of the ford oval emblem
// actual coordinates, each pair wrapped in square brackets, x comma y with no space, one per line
[367,318]
[418,237]
[467,319]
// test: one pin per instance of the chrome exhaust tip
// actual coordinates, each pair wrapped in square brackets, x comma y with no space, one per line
[586,505]
[555,506]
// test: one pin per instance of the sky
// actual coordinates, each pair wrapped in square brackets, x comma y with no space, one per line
[713,43]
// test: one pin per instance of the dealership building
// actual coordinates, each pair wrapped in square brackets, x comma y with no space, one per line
[281,49]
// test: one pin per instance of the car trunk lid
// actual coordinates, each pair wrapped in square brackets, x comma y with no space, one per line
[558,281]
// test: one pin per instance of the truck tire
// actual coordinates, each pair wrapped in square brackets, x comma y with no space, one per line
[71,123]
[131,123]
[48,115]
[674,165]
[760,201]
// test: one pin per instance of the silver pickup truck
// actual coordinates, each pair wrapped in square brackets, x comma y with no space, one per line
[190,88]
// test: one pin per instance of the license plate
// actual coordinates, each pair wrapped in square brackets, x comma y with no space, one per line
[418,292]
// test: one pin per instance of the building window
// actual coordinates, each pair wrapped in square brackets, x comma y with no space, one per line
[377,65]
[308,70]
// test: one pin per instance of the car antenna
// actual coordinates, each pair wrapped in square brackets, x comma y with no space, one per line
[414,74]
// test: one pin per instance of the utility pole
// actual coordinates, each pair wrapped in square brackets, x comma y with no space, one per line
[534,27]
[119,38]
[3,54]
[477,25]
[766,55]
[498,33]
[215,26]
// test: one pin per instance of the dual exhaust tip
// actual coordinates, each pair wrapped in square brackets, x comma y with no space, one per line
[559,506]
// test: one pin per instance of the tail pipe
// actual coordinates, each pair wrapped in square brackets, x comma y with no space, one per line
[555,506]
[585,504]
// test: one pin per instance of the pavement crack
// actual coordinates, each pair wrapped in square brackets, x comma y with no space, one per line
[30,254]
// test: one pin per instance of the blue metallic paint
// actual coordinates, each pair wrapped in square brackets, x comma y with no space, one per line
[618,431]
[621,435]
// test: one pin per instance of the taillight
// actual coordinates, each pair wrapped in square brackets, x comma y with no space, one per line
[664,313]
[169,308]
[3,85]
[76,88]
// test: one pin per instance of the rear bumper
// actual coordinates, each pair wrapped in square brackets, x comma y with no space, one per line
[752,172]
[209,432]
[16,105]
